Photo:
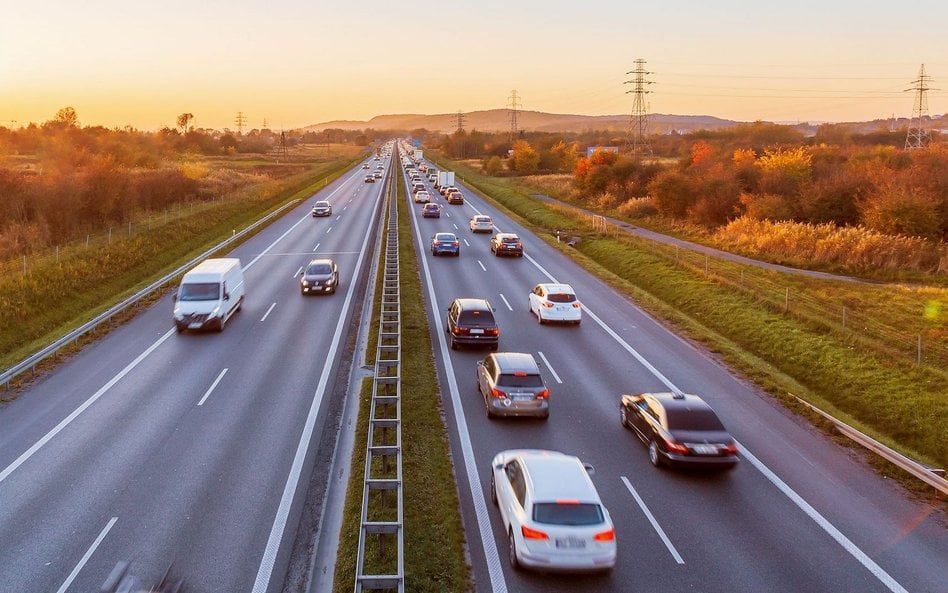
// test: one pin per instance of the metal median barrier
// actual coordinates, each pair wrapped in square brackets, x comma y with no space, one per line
[377,568]
[90,326]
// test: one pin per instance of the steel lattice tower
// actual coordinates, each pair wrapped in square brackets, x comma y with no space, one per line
[638,121]
[459,119]
[240,121]
[919,136]
[513,105]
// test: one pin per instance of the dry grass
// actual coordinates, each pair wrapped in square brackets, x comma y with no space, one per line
[855,248]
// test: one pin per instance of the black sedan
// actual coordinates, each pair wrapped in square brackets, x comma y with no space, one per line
[680,430]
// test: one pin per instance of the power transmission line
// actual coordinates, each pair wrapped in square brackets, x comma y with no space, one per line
[240,121]
[919,135]
[459,118]
[513,104]
[638,121]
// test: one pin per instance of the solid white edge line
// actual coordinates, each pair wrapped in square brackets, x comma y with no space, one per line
[265,570]
[798,500]
[495,571]
[820,520]
[85,557]
[504,299]
[651,519]
[481,265]
[267,314]
[213,385]
[549,367]
[82,408]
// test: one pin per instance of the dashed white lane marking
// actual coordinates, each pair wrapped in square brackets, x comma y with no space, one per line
[504,299]
[329,230]
[317,247]
[85,557]
[651,519]
[267,314]
[340,216]
[550,367]
[466,243]
[213,385]
[481,265]
[456,227]
[298,272]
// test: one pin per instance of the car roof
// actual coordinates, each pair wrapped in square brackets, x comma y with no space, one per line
[452,235]
[324,260]
[512,362]
[473,304]
[322,203]
[481,217]
[555,476]
[557,288]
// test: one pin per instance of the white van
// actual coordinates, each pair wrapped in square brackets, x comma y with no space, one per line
[209,294]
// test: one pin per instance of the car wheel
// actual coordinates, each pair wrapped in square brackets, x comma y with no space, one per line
[514,562]
[653,454]
[454,345]
[494,347]
[179,327]
[457,253]
[493,490]
[519,255]
[539,317]
[623,417]
[334,287]
[221,324]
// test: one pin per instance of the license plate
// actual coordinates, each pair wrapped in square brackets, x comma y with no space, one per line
[477,331]
[704,449]
[511,247]
[522,398]
[195,325]
[570,542]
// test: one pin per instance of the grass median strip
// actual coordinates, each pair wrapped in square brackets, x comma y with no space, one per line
[56,297]
[434,536]
[903,405]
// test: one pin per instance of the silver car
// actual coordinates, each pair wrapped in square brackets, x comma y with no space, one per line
[511,385]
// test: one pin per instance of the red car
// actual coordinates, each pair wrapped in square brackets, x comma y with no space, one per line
[431,210]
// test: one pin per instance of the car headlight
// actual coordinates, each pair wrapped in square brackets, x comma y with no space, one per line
[215,312]
[305,282]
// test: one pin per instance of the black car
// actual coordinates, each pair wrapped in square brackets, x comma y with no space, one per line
[470,322]
[681,430]
[322,208]
[321,276]
[506,244]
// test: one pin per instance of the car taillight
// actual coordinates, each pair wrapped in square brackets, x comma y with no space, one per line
[545,394]
[437,243]
[576,305]
[498,393]
[605,536]
[456,244]
[520,245]
[492,332]
[548,305]
[532,533]
[674,447]
[460,330]
[730,449]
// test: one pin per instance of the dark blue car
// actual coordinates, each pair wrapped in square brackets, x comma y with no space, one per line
[445,243]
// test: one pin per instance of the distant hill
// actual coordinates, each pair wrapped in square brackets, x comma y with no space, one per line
[536,121]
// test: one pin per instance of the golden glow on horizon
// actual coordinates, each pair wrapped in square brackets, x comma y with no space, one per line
[296,64]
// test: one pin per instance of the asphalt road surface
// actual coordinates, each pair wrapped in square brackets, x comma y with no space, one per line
[799,513]
[155,447]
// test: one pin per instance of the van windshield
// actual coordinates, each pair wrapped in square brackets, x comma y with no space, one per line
[199,291]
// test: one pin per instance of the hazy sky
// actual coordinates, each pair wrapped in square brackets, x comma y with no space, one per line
[299,62]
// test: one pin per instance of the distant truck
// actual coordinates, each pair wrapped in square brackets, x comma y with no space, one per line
[418,154]
[209,294]
[445,179]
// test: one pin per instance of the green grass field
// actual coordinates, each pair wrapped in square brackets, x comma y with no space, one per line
[861,382]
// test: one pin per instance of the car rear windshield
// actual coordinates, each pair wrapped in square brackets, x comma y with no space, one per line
[555,513]
[199,291]
[511,239]
[561,297]
[685,419]
[319,269]
[445,237]
[481,318]
[482,219]
[519,380]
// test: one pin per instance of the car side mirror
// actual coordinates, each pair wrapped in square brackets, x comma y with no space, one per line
[174,297]
[590,469]
[480,363]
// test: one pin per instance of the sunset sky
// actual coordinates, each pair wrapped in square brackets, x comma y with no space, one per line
[297,62]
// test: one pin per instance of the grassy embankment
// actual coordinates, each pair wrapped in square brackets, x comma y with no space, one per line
[858,381]
[434,536]
[55,297]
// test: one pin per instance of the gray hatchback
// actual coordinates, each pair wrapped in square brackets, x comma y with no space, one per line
[321,276]
[511,385]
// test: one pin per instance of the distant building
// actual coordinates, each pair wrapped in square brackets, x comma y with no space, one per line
[591,149]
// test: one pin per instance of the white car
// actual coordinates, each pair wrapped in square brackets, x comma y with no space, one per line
[422,197]
[551,512]
[482,224]
[555,302]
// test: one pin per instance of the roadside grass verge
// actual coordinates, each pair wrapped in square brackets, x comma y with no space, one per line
[434,535]
[55,297]
[900,404]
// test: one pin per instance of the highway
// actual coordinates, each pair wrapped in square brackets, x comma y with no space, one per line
[799,513]
[197,448]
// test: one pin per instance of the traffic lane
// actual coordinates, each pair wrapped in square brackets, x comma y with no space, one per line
[881,510]
[574,411]
[165,322]
[492,439]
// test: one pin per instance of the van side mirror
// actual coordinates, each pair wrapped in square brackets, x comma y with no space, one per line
[226,296]
[480,363]
[589,469]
